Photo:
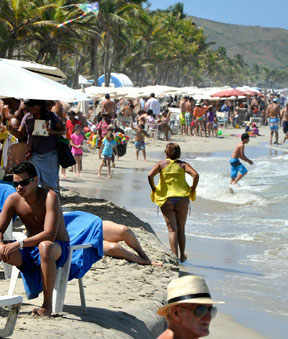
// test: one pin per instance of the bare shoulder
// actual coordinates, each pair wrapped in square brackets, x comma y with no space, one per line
[51,198]
[12,199]
[168,334]
[52,195]
[238,146]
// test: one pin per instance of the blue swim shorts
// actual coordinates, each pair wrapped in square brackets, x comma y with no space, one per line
[236,167]
[285,127]
[140,145]
[274,124]
[31,259]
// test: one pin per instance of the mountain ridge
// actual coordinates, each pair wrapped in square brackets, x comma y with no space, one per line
[265,46]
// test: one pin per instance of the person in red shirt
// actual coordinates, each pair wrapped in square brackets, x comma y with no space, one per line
[70,124]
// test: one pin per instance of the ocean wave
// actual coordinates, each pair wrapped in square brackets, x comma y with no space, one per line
[242,237]
[228,194]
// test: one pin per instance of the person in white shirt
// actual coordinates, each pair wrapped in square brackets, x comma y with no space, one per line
[153,104]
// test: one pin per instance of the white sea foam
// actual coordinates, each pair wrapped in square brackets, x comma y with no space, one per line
[241,237]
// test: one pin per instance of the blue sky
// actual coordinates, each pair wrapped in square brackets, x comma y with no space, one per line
[265,13]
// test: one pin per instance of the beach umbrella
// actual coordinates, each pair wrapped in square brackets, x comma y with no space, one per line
[97,91]
[16,82]
[50,72]
[83,106]
[233,92]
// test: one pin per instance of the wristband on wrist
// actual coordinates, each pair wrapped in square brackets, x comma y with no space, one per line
[21,243]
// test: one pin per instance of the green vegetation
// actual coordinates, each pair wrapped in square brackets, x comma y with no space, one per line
[159,47]
[253,42]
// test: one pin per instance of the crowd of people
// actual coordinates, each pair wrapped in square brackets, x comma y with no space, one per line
[33,166]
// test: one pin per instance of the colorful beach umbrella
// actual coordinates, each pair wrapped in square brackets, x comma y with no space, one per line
[233,92]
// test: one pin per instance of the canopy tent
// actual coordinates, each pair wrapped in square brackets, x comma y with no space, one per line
[52,73]
[116,80]
[17,82]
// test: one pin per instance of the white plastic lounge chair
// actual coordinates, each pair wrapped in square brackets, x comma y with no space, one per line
[61,282]
[93,226]
[14,305]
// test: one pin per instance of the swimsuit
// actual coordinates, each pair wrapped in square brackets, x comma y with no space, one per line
[31,267]
[188,119]
[182,119]
[140,145]
[274,124]
[236,167]
[285,126]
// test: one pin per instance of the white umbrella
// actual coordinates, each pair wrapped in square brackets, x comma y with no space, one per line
[17,82]
[50,72]
[100,91]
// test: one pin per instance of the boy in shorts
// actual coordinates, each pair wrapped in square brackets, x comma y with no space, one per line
[139,139]
[236,165]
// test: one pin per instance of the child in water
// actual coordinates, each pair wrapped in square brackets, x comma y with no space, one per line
[107,147]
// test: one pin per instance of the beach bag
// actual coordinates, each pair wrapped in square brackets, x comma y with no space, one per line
[121,150]
[65,157]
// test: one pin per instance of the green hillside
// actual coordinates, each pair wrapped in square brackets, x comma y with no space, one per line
[266,47]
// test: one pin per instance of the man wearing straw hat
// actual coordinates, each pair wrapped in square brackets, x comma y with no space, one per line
[189,308]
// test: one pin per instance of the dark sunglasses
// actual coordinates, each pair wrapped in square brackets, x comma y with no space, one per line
[201,311]
[23,183]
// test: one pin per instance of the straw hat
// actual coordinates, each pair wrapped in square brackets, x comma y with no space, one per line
[190,289]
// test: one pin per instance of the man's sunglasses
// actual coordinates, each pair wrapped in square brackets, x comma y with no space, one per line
[201,311]
[23,183]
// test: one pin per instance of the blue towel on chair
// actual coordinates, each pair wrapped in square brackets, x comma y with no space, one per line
[83,228]
[5,191]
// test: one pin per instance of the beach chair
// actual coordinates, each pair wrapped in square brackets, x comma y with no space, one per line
[222,118]
[80,226]
[14,304]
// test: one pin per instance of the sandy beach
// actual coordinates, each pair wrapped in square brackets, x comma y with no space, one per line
[122,298]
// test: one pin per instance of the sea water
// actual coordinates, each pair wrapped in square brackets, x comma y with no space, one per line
[253,223]
[237,235]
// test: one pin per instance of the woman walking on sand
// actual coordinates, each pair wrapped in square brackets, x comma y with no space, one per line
[172,195]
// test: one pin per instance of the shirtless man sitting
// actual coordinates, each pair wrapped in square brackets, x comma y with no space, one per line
[273,116]
[236,165]
[47,238]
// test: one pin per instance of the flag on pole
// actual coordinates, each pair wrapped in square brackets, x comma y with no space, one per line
[92,8]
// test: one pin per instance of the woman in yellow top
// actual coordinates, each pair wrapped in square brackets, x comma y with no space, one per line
[172,195]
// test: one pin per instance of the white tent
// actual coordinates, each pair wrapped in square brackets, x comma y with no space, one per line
[17,82]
